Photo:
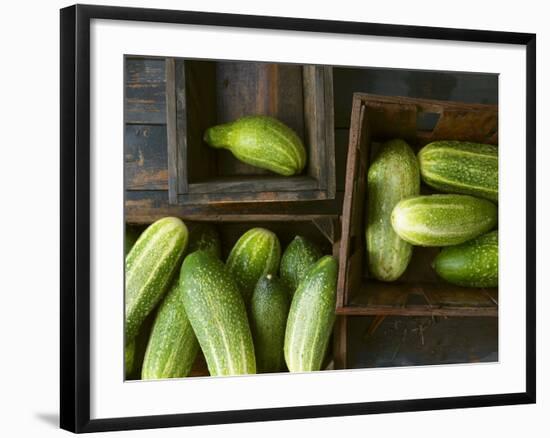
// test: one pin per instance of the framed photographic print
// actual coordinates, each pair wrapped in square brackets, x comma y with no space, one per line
[269,218]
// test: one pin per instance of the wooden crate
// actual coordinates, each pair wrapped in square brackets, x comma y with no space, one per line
[200,94]
[419,291]
[323,230]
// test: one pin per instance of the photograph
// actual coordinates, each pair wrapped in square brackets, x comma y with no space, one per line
[301,218]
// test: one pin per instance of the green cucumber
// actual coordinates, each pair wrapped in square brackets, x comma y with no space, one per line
[392,176]
[268,315]
[443,220]
[298,257]
[206,237]
[260,141]
[471,264]
[129,356]
[150,267]
[135,350]
[217,313]
[172,346]
[256,253]
[461,167]
[311,317]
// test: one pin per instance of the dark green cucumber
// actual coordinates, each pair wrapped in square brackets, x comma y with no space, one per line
[129,355]
[172,346]
[217,313]
[268,315]
[300,255]
[311,317]
[261,141]
[135,350]
[131,235]
[443,220]
[392,176]
[150,267]
[206,237]
[471,264]
[461,167]
[256,253]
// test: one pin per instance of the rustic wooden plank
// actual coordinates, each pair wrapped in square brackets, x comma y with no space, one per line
[253,184]
[145,98]
[179,117]
[451,86]
[351,254]
[143,207]
[340,342]
[238,197]
[145,158]
[171,130]
[145,70]
[328,181]
[145,104]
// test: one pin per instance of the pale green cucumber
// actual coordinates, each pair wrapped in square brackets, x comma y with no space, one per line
[217,313]
[150,267]
[172,346]
[392,176]
[311,317]
[471,264]
[461,167]
[256,253]
[300,255]
[443,220]
[268,315]
[261,141]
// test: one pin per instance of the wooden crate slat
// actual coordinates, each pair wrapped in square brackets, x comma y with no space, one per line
[144,207]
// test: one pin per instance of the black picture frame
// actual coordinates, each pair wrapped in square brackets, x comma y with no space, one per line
[75,216]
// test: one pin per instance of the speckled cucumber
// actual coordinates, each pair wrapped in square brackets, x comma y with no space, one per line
[217,313]
[300,255]
[260,141]
[443,220]
[471,264]
[150,267]
[461,167]
[392,176]
[256,253]
[172,346]
[311,317]
[268,315]
[204,236]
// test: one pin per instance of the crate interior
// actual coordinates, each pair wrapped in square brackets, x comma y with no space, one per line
[222,91]
[229,233]
[419,291]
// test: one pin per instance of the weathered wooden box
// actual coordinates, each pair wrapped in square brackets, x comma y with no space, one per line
[323,230]
[200,94]
[419,291]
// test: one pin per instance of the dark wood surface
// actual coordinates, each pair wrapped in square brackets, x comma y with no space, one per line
[147,179]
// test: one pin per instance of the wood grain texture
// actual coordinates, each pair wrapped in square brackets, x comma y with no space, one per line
[144,207]
[145,101]
[145,163]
